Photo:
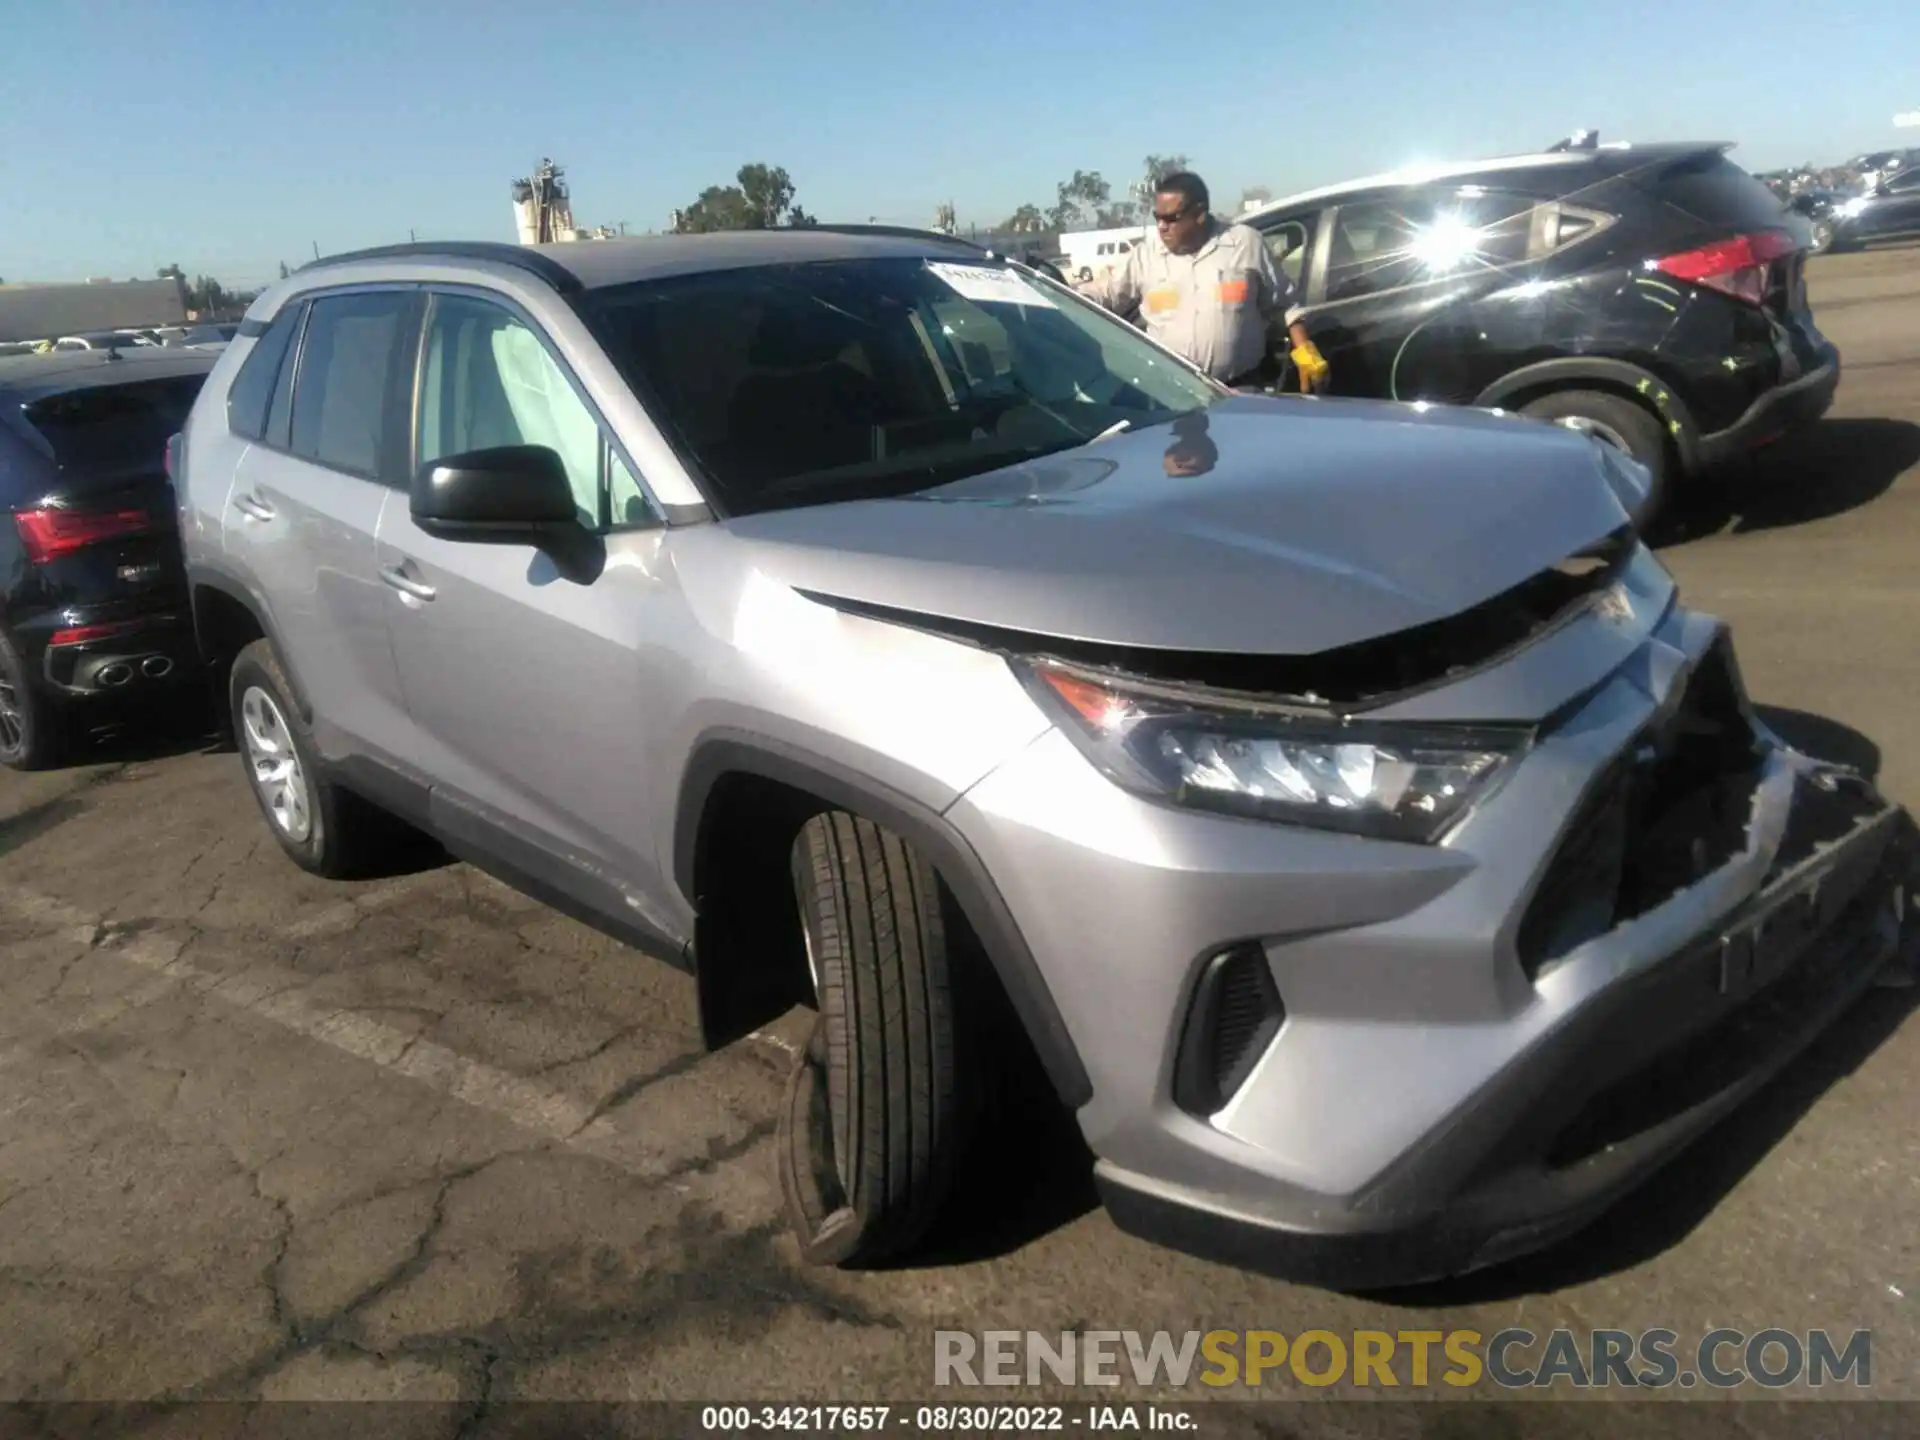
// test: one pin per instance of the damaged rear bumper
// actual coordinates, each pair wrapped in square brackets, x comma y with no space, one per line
[1634,1076]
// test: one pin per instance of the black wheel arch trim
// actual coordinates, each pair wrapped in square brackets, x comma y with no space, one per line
[1569,373]
[201,577]
[723,752]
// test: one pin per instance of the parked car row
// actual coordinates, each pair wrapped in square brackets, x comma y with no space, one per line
[193,337]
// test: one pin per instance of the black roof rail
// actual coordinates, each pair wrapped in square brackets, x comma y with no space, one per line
[497,251]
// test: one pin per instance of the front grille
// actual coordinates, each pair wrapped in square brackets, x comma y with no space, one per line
[1673,808]
[1235,1014]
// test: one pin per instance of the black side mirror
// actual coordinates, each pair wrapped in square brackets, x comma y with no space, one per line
[509,495]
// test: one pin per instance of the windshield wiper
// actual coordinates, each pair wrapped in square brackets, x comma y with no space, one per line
[1113,429]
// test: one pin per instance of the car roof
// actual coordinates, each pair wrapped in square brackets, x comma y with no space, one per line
[31,377]
[1604,160]
[596,264]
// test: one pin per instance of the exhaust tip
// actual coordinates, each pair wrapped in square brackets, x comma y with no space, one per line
[154,666]
[116,674]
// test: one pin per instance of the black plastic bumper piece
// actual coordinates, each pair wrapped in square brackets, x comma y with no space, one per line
[146,657]
[1782,410]
[1638,1077]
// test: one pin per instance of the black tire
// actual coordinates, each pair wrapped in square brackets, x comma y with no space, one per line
[874,1119]
[1620,422]
[1822,237]
[33,730]
[343,836]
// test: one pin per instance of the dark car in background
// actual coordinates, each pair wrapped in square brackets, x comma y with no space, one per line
[1650,295]
[1887,211]
[93,601]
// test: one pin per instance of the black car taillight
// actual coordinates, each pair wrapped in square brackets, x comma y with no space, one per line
[1737,267]
[50,532]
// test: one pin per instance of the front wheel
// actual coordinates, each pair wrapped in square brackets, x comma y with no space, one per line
[875,1117]
[1619,422]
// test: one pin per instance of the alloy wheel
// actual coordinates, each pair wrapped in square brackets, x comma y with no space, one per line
[13,721]
[274,764]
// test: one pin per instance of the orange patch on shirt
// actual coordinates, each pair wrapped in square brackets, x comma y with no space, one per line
[1233,292]
[1161,301]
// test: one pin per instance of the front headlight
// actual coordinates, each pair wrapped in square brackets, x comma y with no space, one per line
[1388,780]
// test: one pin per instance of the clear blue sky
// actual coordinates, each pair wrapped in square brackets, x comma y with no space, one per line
[228,135]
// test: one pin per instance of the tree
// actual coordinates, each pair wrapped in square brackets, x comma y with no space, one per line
[799,219]
[1154,169]
[760,198]
[1026,220]
[172,272]
[1081,201]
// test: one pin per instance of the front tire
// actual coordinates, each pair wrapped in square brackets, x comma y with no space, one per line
[323,829]
[32,730]
[874,1118]
[1617,421]
[1822,237]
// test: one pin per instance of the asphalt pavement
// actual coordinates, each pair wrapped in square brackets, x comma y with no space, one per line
[271,1137]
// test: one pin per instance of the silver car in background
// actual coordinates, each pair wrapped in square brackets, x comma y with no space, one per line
[1381,862]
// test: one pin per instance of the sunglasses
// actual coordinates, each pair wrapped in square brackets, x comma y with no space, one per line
[1174,218]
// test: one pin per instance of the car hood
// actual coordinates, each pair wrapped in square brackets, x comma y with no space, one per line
[1261,526]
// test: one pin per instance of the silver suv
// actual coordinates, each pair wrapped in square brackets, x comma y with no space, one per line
[1382,864]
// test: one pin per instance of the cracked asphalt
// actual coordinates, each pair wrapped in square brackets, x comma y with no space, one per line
[271,1137]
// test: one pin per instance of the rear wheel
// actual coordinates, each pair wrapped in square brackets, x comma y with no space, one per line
[874,1118]
[1619,422]
[32,735]
[1822,236]
[323,828]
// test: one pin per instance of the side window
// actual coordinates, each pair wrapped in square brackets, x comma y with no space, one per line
[1380,245]
[489,381]
[629,505]
[1905,183]
[1287,243]
[252,389]
[346,363]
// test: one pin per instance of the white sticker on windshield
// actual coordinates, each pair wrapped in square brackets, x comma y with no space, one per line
[990,285]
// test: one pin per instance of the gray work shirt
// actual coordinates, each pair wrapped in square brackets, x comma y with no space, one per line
[1213,306]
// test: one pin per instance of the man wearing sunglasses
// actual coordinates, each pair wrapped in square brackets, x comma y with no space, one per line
[1208,290]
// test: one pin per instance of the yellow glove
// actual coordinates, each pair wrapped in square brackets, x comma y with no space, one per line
[1312,366]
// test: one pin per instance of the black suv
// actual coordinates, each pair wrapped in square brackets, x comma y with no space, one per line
[1651,295]
[93,600]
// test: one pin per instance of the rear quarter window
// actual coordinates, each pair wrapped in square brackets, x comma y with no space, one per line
[252,388]
[115,431]
[1714,190]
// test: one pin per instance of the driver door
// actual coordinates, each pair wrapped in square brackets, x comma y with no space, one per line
[527,688]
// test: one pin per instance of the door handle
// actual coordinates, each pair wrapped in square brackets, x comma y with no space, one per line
[405,583]
[253,507]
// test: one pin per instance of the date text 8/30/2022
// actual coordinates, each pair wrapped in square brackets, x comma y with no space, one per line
[947,1419]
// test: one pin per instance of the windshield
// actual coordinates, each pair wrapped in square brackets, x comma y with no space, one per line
[805,384]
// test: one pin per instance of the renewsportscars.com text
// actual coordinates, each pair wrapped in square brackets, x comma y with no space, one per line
[1513,1359]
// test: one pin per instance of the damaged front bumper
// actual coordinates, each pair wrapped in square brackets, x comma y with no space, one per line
[1708,909]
